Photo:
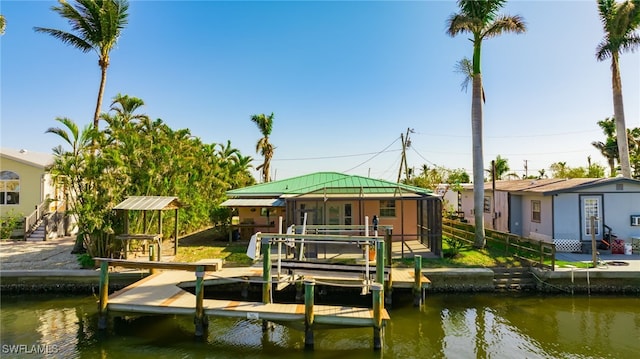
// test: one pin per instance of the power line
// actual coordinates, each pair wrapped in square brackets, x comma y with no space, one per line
[374,156]
[333,157]
[509,136]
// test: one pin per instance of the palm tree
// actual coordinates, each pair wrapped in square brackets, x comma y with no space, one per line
[3,24]
[620,20]
[609,148]
[541,173]
[68,164]
[96,25]
[124,106]
[482,21]
[501,167]
[265,124]
[560,169]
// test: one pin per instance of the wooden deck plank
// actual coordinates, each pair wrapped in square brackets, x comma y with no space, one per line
[160,294]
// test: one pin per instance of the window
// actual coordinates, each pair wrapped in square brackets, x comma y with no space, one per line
[591,208]
[347,214]
[387,208]
[535,211]
[487,205]
[9,188]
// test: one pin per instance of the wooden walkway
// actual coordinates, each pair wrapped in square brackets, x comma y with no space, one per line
[160,294]
[163,293]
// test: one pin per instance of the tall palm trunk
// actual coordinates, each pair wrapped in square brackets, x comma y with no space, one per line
[103,81]
[478,155]
[618,113]
[478,163]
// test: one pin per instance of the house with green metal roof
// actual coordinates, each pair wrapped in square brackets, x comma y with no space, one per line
[330,198]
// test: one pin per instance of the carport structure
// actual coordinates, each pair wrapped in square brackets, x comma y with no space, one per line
[148,204]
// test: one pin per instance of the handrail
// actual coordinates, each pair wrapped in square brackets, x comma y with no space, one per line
[34,217]
[41,213]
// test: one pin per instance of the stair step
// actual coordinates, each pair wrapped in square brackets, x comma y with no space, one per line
[513,279]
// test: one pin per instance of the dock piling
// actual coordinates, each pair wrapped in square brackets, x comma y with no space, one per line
[309,286]
[200,319]
[417,281]
[104,295]
[266,270]
[377,294]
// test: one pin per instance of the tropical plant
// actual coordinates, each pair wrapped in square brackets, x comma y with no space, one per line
[542,173]
[620,21]
[634,151]
[96,25]
[482,21]
[96,184]
[609,148]
[8,223]
[264,147]
[501,166]
[140,157]
[559,169]
[3,24]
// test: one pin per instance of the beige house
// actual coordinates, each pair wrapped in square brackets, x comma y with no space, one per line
[26,187]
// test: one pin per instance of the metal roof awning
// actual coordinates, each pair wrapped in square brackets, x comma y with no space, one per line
[149,203]
[253,202]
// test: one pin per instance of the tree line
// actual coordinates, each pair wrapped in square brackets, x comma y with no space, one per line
[136,156]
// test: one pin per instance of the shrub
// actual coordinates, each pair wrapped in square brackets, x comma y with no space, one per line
[8,223]
[86,261]
[455,245]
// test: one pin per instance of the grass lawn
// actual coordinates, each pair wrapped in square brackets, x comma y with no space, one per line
[209,244]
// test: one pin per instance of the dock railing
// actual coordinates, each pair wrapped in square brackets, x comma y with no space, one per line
[535,252]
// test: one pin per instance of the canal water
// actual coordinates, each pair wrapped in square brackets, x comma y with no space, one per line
[447,326]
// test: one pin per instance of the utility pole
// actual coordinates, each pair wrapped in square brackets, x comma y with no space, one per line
[526,172]
[406,142]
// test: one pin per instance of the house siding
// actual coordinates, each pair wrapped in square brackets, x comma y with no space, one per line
[403,222]
[32,183]
[617,207]
[566,222]
[544,227]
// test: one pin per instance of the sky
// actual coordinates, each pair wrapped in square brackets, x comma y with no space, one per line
[343,79]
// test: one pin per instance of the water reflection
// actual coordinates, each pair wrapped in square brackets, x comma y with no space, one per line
[449,325]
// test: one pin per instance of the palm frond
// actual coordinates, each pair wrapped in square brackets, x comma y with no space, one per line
[505,24]
[465,67]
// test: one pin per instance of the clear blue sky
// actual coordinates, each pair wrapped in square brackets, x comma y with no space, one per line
[344,80]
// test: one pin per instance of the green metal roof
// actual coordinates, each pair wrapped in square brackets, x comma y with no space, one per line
[325,182]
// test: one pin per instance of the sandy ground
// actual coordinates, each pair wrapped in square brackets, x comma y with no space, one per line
[52,254]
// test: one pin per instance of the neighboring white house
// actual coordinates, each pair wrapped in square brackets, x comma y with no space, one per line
[560,208]
[450,197]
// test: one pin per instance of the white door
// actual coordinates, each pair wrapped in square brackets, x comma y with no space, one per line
[591,207]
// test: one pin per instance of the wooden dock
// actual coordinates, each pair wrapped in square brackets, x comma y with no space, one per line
[164,293]
[160,294]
